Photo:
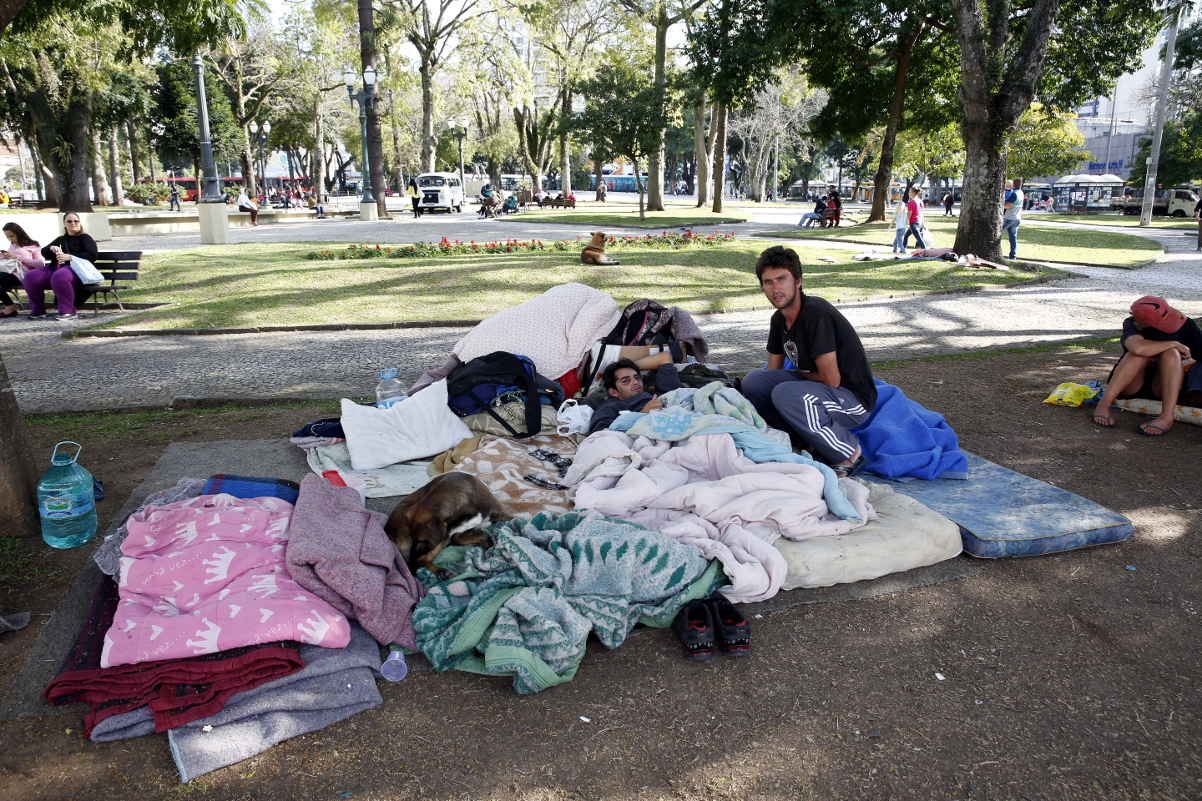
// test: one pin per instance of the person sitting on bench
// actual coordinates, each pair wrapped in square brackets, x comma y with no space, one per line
[1161,349]
[624,383]
[809,218]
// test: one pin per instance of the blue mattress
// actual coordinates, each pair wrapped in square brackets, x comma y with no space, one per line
[1004,513]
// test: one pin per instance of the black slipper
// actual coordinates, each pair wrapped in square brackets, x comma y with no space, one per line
[734,632]
[695,627]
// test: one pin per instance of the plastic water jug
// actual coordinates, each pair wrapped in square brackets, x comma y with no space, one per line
[389,390]
[66,501]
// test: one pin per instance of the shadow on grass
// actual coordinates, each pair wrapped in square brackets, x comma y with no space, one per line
[220,289]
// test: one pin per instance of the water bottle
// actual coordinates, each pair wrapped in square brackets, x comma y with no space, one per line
[389,390]
[394,667]
[66,501]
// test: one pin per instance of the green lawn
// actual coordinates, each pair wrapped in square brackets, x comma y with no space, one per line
[1120,220]
[274,284]
[1040,243]
[623,215]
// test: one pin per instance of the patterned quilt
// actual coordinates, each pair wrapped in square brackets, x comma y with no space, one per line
[525,607]
[208,574]
[502,464]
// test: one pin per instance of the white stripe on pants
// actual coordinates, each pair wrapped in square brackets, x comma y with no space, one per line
[820,415]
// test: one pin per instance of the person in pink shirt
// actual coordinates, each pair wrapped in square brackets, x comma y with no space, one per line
[917,219]
[25,254]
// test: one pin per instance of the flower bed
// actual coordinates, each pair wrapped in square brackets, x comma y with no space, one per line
[663,241]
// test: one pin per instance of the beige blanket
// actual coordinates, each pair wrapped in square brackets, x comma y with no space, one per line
[501,464]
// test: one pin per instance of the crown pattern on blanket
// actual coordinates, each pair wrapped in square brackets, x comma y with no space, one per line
[208,574]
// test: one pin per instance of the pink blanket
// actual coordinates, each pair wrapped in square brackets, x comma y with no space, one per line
[208,574]
[704,491]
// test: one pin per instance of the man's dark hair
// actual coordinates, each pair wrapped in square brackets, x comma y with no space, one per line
[778,256]
[609,378]
[1018,183]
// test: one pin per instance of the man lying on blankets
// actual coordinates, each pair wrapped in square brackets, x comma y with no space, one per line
[624,384]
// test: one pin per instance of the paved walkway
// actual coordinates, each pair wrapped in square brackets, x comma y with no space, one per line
[50,373]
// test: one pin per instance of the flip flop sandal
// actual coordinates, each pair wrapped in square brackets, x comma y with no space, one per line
[1098,417]
[1147,428]
[544,482]
[847,471]
[734,632]
[695,628]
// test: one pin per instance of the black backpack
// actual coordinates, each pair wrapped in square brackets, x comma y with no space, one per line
[644,322]
[477,385]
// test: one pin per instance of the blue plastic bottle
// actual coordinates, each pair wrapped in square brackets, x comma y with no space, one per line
[66,501]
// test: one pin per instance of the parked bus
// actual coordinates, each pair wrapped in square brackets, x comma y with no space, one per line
[619,183]
[187,186]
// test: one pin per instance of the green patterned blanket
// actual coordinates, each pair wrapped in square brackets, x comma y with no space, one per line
[525,607]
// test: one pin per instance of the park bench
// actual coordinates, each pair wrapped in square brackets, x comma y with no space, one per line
[25,203]
[830,218]
[118,268]
[559,203]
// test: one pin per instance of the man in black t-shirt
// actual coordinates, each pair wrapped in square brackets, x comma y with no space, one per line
[1161,350]
[831,390]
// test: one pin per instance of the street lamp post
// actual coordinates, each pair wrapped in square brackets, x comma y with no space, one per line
[214,224]
[259,135]
[459,131]
[365,99]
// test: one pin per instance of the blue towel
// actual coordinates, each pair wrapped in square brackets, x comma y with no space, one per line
[902,439]
[251,487]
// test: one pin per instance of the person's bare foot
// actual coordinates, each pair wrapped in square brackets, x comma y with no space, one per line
[1156,428]
[1103,420]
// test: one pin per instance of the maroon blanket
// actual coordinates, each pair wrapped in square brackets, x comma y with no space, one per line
[177,691]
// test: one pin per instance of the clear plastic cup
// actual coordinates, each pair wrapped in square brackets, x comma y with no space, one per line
[394,667]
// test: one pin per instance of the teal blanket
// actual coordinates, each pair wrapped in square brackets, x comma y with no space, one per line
[525,607]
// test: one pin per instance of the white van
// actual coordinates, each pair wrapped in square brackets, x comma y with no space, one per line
[439,190]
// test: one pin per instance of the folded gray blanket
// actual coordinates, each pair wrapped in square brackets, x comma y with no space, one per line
[338,551]
[334,684]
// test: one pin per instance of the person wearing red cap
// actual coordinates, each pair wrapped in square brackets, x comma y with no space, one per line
[1161,349]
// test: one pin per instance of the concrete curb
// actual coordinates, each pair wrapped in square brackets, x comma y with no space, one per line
[274,329]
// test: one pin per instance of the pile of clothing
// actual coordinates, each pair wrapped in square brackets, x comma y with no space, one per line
[237,612]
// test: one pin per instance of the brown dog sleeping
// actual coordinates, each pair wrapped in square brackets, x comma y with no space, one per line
[451,508]
[594,251]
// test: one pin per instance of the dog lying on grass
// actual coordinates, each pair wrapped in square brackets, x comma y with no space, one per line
[594,251]
[450,509]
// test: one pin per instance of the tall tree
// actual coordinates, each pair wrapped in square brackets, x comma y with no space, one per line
[620,114]
[54,81]
[1008,52]
[661,15]
[431,26]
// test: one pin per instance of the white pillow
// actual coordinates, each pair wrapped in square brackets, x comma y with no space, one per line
[421,425]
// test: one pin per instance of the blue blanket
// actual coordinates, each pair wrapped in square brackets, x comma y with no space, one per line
[902,439]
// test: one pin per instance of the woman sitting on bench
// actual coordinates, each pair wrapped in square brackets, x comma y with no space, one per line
[57,274]
[25,254]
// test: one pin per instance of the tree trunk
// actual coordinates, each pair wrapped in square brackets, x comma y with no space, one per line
[719,123]
[18,470]
[598,176]
[135,164]
[375,139]
[115,168]
[565,163]
[980,227]
[319,160]
[100,185]
[884,171]
[427,156]
[702,149]
[638,183]
[655,160]
[71,191]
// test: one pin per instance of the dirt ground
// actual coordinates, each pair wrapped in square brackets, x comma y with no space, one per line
[1072,676]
